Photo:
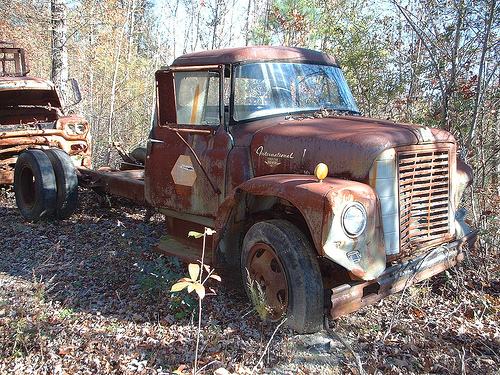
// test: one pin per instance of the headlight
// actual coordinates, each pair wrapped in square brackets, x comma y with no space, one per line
[354,219]
[75,128]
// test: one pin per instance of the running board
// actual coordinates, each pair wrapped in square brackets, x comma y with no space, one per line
[168,246]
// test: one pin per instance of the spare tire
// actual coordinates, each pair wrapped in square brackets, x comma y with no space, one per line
[35,185]
[139,154]
[66,181]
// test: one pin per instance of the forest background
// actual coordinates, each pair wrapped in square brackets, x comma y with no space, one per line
[429,62]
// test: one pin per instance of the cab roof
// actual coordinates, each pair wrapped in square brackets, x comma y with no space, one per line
[254,53]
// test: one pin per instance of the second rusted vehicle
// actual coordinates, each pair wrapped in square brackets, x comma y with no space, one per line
[310,201]
[32,116]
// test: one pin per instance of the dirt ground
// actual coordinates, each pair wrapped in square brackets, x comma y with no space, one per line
[87,296]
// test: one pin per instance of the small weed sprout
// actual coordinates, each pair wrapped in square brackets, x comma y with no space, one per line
[20,339]
[42,287]
[258,298]
[66,313]
[196,281]
[114,327]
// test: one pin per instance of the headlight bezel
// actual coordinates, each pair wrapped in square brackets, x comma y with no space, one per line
[75,129]
[349,225]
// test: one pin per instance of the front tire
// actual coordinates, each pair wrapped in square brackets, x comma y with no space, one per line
[35,185]
[279,257]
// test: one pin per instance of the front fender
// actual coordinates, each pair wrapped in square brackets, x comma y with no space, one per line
[363,256]
[321,205]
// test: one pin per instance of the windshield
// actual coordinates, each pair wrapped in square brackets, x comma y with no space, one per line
[263,89]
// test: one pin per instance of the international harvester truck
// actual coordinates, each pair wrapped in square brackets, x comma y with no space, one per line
[326,210]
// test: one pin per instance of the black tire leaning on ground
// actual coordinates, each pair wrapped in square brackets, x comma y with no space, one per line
[35,185]
[67,182]
[280,257]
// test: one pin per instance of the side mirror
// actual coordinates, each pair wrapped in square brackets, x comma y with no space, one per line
[75,89]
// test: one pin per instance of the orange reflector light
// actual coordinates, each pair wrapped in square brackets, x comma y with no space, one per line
[321,171]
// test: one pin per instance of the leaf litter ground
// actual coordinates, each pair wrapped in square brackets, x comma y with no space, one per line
[87,296]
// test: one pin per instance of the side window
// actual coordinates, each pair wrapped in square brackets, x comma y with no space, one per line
[197,97]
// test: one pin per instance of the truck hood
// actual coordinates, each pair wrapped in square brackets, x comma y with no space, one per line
[28,91]
[347,144]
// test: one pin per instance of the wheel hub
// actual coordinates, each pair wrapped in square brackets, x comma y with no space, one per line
[266,269]
[28,191]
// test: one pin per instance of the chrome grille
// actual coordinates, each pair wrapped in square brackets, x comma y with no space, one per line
[423,197]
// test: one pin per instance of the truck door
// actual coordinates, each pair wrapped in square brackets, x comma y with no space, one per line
[189,144]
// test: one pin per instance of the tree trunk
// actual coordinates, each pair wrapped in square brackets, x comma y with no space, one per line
[113,87]
[216,21]
[479,91]
[247,23]
[59,51]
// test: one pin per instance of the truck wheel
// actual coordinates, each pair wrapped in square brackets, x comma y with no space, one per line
[66,180]
[34,185]
[279,257]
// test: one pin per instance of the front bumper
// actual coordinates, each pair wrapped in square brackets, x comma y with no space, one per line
[11,147]
[347,298]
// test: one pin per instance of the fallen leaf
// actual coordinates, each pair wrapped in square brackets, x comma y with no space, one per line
[66,350]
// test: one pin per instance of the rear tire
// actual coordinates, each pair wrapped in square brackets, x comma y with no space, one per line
[67,182]
[279,257]
[35,185]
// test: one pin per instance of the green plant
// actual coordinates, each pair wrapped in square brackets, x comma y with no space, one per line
[258,298]
[157,275]
[183,305]
[196,282]
[114,327]
[24,337]
[19,338]
[66,313]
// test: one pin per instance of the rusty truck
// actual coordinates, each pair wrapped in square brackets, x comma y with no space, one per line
[325,210]
[33,115]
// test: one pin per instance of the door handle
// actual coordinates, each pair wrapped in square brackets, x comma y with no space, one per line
[155,140]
